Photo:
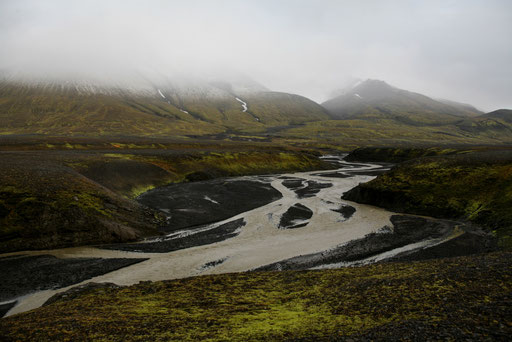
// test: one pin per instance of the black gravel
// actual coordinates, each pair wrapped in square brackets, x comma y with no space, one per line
[28,274]
[213,263]
[373,172]
[311,189]
[200,203]
[345,210]
[406,230]
[297,212]
[4,308]
[217,234]
[339,174]
[293,183]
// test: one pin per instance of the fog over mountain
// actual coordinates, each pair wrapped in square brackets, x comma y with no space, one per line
[459,50]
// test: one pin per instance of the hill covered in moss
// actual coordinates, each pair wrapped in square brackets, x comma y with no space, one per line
[454,299]
[73,194]
[474,185]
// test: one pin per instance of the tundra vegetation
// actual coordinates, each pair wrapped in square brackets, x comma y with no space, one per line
[80,191]
[468,184]
[70,193]
[456,298]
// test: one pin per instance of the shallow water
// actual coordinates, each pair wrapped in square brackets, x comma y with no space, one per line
[259,242]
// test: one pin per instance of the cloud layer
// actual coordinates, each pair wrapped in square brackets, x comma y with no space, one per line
[460,50]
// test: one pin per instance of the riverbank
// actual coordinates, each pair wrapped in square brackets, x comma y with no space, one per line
[410,301]
[475,186]
[270,233]
[56,198]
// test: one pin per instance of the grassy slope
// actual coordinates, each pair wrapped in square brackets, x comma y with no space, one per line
[476,186]
[41,110]
[58,110]
[398,155]
[52,199]
[275,108]
[45,204]
[390,132]
[62,111]
[465,297]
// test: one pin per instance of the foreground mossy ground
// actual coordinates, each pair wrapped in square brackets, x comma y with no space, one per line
[465,297]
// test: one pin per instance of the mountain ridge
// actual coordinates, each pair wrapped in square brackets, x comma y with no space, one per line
[200,107]
[375,99]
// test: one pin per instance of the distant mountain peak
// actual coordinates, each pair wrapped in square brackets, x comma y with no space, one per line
[374,99]
[372,89]
[370,82]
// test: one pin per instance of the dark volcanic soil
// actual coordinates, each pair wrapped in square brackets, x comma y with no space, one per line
[293,183]
[311,189]
[303,188]
[373,172]
[4,308]
[205,237]
[27,274]
[406,230]
[78,291]
[295,217]
[346,211]
[199,203]
[332,175]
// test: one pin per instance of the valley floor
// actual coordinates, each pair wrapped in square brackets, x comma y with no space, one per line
[308,226]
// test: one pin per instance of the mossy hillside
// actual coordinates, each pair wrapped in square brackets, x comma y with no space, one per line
[62,110]
[51,199]
[459,298]
[214,165]
[475,186]
[132,173]
[44,204]
[43,110]
[278,109]
[400,154]
[389,132]
[174,143]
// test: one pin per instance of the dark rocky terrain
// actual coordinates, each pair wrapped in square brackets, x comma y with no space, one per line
[202,202]
[197,236]
[22,275]
[406,230]
[462,298]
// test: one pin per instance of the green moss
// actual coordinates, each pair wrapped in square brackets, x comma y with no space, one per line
[473,186]
[140,190]
[83,200]
[312,305]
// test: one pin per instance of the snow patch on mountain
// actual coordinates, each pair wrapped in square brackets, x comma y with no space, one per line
[244,105]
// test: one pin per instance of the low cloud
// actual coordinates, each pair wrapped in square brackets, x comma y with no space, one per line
[459,50]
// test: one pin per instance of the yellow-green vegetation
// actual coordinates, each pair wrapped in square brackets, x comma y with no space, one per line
[277,109]
[67,112]
[44,204]
[476,186]
[60,110]
[67,197]
[400,154]
[130,174]
[380,132]
[459,298]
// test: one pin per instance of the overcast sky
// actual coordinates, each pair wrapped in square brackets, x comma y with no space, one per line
[459,50]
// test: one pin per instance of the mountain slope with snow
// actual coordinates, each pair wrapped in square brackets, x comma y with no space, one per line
[144,107]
